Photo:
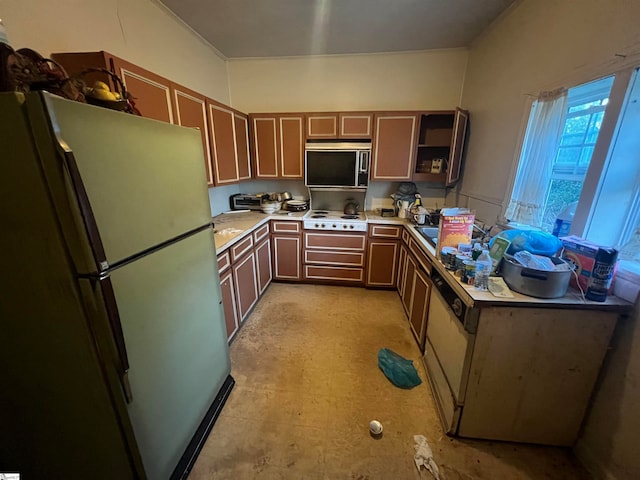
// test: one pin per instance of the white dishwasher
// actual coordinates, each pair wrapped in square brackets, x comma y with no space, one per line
[448,350]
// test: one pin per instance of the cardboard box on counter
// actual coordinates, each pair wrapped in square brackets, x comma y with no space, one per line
[456,227]
[582,253]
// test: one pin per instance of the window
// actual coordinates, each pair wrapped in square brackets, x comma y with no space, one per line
[596,165]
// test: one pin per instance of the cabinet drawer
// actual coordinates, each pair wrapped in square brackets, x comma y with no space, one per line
[260,233]
[224,261]
[385,231]
[347,259]
[421,257]
[342,274]
[334,241]
[242,247]
[285,227]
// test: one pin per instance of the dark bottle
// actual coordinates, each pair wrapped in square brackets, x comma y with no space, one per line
[602,274]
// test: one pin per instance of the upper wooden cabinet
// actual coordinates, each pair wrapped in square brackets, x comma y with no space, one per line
[440,145]
[151,92]
[322,126]
[394,144]
[343,125]
[191,111]
[277,145]
[224,131]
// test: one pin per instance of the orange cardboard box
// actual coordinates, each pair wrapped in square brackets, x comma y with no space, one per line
[455,228]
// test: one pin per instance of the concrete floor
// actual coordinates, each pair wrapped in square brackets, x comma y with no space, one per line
[308,383]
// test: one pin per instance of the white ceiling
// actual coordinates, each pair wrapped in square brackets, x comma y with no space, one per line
[276,28]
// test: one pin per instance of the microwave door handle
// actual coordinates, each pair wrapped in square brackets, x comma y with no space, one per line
[363,162]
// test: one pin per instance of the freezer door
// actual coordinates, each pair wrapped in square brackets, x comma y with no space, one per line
[145,180]
[169,305]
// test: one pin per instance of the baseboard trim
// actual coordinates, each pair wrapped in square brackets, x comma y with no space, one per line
[197,442]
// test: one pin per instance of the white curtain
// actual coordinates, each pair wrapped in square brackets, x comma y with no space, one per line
[541,142]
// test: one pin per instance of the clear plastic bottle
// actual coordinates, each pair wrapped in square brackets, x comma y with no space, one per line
[483,270]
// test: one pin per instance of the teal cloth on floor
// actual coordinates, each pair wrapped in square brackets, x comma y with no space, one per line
[398,369]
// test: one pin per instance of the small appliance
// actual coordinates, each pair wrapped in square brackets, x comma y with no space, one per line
[243,201]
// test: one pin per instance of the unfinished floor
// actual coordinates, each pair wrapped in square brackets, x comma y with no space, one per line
[308,383]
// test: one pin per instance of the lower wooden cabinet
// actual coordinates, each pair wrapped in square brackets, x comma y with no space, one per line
[407,283]
[246,282]
[229,303]
[287,247]
[263,263]
[419,311]
[334,257]
[383,251]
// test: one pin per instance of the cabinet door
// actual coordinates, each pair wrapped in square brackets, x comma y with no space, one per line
[246,283]
[355,125]
[263,261]
[457,145]
[420,306]
[223,142]
[402,263]
[191,111]
[407,284]
[242,146]
[291,148]
[322,125]
[264,146]
[151,92]
[394,144]
[382,259]
[229,304]
[286,257]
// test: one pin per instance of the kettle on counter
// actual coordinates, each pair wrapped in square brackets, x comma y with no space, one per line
[351,208]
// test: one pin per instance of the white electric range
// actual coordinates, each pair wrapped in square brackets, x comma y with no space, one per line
[334,220]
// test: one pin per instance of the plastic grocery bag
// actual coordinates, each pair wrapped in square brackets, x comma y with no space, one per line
[398,369]
[534,241]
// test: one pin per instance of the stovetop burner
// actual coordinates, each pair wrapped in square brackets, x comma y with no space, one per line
[319,216]
[350,217]
[321,212]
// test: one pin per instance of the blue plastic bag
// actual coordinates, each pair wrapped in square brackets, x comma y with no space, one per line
[398,369]
[534,241]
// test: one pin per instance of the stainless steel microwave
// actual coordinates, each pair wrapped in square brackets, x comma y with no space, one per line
[338,165]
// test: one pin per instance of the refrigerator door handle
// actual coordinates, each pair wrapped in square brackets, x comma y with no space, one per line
[126,387]
[118,335]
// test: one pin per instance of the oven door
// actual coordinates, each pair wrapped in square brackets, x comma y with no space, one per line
[447,357]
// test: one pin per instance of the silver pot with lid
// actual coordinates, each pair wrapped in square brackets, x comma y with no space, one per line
[351,208]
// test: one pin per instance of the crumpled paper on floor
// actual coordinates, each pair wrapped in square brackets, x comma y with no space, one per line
[424,456]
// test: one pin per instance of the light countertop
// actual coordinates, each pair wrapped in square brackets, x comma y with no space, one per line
[231,228]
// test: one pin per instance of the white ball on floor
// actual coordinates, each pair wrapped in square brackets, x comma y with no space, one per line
[375,427]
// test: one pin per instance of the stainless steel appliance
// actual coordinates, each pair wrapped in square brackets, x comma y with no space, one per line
[114,353]
[337,165]
[244,201]
[334,220]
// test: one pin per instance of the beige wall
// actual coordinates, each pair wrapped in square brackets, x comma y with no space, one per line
[422,80]
[539,45]
[140,31]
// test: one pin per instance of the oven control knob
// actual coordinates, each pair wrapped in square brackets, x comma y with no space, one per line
[322,225]
[351,227]
[456,306]
[334,225]
[317,226]
[344,226]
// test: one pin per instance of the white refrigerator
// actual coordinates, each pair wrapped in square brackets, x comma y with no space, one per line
[113,351]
